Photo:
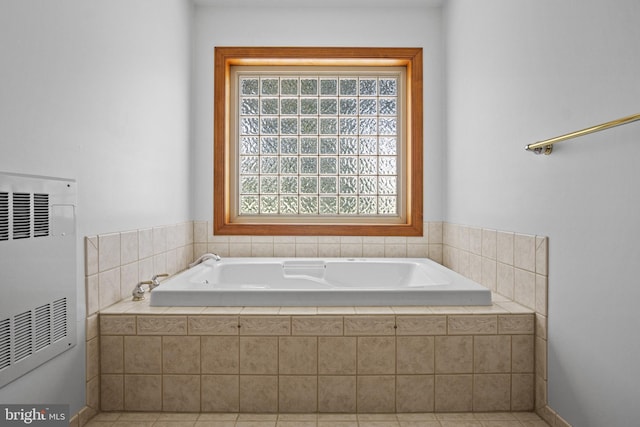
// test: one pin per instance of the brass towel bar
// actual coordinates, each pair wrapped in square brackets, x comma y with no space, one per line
[546,146]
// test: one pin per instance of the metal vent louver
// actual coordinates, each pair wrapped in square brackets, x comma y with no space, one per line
[4,216]
[59,319]
[43,327]
[21,216]
[5,343]
[40,215]
[23,330]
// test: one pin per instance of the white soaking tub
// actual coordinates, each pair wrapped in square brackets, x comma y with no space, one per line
[319,282]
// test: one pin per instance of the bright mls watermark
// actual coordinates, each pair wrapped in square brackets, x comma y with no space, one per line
[34,415]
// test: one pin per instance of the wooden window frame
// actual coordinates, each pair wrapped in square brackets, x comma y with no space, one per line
[411,58]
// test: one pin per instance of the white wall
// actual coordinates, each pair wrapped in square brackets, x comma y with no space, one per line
[402,23]
[97,91]
[522,71]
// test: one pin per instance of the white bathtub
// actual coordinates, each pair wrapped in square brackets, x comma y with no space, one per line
[319,282]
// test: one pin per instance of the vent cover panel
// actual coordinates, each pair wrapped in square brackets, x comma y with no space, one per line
[37,270]
[21,216]
[4,216]
[40,215]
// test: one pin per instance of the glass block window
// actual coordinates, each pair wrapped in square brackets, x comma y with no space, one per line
[318,144]
[318,141]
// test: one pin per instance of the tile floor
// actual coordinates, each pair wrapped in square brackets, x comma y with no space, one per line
[153,419]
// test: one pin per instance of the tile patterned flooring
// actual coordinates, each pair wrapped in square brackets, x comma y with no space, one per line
[155,419]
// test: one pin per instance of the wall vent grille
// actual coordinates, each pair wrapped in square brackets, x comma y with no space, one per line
[5,343]
[4,216]
[43,327]
[24,215]
[21,216]
[59,319]
[23,333]
[40,215]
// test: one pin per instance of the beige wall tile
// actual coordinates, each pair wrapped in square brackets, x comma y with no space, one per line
[259,355]
[143,392]
[298,393]
[522,353]
[111,354]
[92,294]
[421,325]
[480,324]
[504,246]
[317,325]
[145,243]
[475,268]
[522,392]
[475,240]
[376,355]
[220,354]
[540,392]
[524,252]
[213,325]
[220,393]
[454,354]
[337,394]
[337,355]
[415,355]
[454,393]
[108,251]
[376,394]
[262,249]
[492,354]
[128,247]
[516,324]
[129,278]
[369,325]
[109,287]
[504,280]
[162,325]
[489,244]
[415,393]
[541,357]
[111,392]
[525,288]
[142,355]
[159,240]
[200,234]
[435,232]
[117,325]
[541,294]
[258,394]
[542,257]
[92,327]
[492,392]
[298,355]
[92,393]
[181,393]
[541,326]
[489,272]
[180,355]
[265,325]
[92,358]
[435,253]
[91,255]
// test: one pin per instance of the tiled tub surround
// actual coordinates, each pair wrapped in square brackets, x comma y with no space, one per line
[317,359]
[516,266]
[460,248]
